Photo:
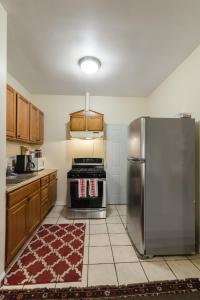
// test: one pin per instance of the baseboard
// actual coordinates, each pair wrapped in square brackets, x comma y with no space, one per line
[2,275]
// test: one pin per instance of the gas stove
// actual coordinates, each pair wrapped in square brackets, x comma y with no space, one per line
[87,168]
[89,206]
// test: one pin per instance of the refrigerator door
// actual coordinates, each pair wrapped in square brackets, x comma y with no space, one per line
[170,186]
[136,139]
[135,218]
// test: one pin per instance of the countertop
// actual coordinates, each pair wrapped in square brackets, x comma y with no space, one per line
[39,174]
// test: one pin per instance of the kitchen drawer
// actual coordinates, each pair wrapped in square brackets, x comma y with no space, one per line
[44,194]
[44,208]
[44,180]
[53,176]
[25,191]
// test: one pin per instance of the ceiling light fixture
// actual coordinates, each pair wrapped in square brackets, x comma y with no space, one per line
[89,64]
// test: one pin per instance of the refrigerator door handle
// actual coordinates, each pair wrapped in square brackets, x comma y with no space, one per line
[136,160]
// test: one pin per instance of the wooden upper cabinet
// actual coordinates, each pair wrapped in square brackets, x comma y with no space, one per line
[22,118]
[78,121]
[40,127]
[34,123]
[86,120]
[11,112]
[94,121]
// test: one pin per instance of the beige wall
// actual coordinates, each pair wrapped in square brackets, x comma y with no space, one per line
[180,92]
[57,150]
[3,67]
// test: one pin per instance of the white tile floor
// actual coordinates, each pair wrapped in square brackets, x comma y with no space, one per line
[109,257]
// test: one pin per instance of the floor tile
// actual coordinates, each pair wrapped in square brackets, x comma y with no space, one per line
[99,240]
[128,273]
[53,214]
[95,229]
[114,220]
[82,283]
[184,269]
[50,221]
[192,257]
[124,254]
[122,210]
[100,255]
[84,221]
[62,220]
[196,262]
[179,257]
[158,270]
[116,228]
[119,239]
[97,221]
[112,211]
[124,219]
[103,274]
[86,241]
[85,255]
[155,258]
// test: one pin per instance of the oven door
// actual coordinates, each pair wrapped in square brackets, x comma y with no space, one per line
[89,202]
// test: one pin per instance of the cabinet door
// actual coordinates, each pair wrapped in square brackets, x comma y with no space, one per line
[22,118]
[94,121]
[41,128]
[77,123]
[34,123]
[11,112]
[33,212]
[52,192]
[16,228]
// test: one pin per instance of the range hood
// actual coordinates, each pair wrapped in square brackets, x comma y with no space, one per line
[86,124]
[87,135]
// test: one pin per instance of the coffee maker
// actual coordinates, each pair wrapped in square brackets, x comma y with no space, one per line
[24,164]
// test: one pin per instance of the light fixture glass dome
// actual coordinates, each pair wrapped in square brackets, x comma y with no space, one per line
[89,64]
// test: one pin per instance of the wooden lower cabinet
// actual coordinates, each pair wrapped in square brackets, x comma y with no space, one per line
[53,191]
[16,229]
[33,212]
[26,208]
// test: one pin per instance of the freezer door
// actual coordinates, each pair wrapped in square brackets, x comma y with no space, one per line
[136,138]
[135,219]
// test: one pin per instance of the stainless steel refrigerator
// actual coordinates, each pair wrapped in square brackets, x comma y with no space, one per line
[161,186]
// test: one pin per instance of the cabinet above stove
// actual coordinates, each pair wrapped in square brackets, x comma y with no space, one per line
[86,124]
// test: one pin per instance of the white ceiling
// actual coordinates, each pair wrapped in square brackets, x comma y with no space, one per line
[139,42]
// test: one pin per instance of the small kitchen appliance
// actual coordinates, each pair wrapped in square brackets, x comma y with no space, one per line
[24,164]
[161,186]
[39,163]
[87,206]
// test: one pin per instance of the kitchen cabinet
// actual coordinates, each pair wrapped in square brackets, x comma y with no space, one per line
[34,123]
[53,188]
[22,118]
[25,122]
[26,208]
[11,113]
[16,229]
[78,121]
[33,211]
[94,121]
[86,121]
[40,127]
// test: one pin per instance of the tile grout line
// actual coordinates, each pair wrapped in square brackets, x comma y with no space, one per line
[194,265]
[113,257]
[171,270]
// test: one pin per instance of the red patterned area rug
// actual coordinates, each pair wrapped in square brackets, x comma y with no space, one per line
[55,254]
[174,289]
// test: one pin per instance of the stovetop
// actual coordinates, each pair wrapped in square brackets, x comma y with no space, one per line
[87,168]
